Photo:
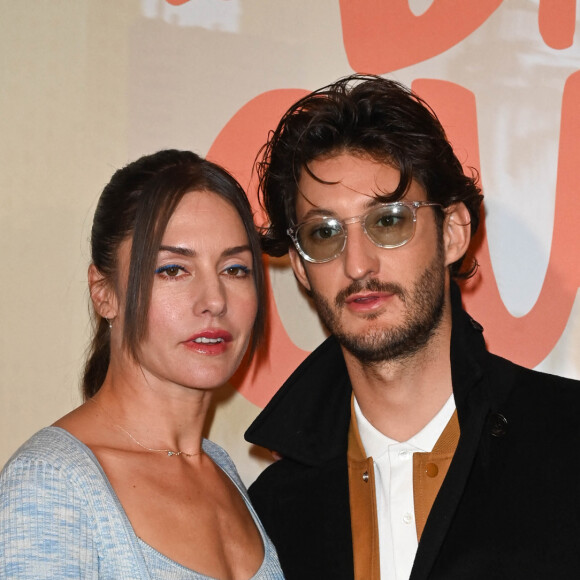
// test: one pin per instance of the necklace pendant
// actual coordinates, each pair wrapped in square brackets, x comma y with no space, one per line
[170,453]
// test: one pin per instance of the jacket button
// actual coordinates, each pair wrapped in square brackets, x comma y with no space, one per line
[498,424]
[366,476]
[431,470]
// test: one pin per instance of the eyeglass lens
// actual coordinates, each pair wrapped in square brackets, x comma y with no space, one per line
[388,226]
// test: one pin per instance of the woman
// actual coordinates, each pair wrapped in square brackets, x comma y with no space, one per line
[125,486]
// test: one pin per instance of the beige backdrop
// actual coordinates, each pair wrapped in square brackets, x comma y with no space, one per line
[88,85]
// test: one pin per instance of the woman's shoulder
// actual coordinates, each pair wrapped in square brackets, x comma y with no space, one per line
[58,511]
[51,445]
[54,473]
[50,477]
[54,450]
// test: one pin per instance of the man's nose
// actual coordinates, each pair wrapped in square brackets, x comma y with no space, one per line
[360,256]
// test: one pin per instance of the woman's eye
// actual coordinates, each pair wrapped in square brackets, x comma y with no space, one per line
[237,271]
[170,271]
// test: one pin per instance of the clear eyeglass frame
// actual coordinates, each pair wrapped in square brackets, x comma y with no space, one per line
[332,222]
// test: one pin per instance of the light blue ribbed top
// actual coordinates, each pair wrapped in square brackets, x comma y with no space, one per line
[60,518]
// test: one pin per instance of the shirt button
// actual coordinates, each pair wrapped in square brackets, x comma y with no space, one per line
[408,518]
[431,470]
[404,455]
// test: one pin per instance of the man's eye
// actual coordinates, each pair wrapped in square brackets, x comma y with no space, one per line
[396,217]
[388,221]
[324,232]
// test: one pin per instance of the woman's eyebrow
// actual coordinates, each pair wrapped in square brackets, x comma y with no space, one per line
[177,250]
[236,250]
[191,253]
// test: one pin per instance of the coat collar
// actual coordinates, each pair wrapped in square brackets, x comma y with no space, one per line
[307,419]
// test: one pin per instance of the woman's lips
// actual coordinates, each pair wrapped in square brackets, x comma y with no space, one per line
[211,341]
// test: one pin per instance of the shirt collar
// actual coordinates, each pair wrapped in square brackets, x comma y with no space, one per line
[376,444]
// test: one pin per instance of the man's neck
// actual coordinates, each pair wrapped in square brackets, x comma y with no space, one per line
[400,397]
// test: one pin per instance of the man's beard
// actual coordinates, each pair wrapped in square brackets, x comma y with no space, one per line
[424,309]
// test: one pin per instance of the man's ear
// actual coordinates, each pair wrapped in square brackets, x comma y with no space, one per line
[456,232]
[103,294]
[298,267]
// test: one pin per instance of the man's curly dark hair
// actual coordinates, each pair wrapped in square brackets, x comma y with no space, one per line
[369,116]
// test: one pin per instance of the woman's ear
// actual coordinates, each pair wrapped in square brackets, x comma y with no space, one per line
[298,267]
[103,294]
[456,232]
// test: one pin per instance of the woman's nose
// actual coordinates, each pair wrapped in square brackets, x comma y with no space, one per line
[210,296]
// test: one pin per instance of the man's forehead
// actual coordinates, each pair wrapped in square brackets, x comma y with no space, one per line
[360,173]
[346,176]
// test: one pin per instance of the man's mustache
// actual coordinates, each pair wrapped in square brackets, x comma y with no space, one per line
[371,285]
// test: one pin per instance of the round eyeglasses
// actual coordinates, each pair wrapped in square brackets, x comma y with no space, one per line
[389,225]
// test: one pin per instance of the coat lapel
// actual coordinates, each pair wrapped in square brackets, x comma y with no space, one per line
[449,495]
[472,392]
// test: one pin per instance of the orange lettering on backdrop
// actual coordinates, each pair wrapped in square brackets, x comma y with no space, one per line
[235,148]
[557,22]
[381,36]
[526,340]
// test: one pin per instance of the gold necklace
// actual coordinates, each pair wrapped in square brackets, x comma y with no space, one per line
[170,452]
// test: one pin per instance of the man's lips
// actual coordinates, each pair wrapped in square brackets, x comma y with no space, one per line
[362,301]
[366,296]
[367,292]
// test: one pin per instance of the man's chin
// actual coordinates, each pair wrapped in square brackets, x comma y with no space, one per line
[385,344]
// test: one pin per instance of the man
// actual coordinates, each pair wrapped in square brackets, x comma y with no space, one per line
[407,449]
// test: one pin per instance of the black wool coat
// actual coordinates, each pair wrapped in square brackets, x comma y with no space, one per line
[509,507]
